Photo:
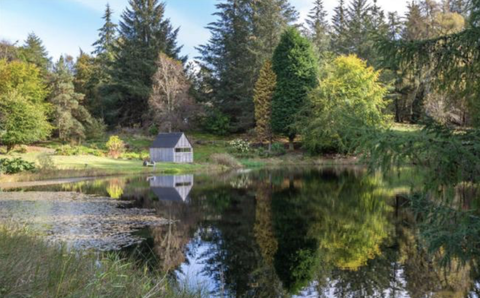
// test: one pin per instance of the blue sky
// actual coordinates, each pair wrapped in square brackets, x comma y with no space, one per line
[65,26]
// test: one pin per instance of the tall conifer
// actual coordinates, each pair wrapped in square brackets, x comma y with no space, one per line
[35,52]
[295,65]
[244,35]
[144,33]
[264,89]
[318,27]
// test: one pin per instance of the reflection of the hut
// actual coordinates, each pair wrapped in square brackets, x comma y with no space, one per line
[170,240]
[172,188]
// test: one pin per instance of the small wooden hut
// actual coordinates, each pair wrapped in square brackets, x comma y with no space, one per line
[171,147]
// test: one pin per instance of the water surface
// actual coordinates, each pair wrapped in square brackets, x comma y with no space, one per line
[331,232]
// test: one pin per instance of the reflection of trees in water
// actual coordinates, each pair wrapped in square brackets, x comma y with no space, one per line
[233,255]
[332,230]
[115,188]
[333,220]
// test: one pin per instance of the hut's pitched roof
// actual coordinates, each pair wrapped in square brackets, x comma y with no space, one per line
[167,140]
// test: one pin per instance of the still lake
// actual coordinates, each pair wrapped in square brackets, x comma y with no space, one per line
[297,232]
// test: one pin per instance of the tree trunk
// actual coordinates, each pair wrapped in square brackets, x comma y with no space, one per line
[290,143]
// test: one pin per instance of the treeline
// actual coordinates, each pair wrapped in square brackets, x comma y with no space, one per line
[260,70]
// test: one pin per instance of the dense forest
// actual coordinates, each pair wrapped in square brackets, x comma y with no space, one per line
[262,72]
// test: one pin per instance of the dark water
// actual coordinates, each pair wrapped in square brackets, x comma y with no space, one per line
[289,233]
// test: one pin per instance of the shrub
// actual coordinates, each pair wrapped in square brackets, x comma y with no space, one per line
[115,146]
[153,130]
[16,165]
[240,146]
[216,123]
[67,150]
[96,129]
[225,160]
[278,149]
[45,162]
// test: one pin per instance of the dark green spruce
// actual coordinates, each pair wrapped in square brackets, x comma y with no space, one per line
[295,65]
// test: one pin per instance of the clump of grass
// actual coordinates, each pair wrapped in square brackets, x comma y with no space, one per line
[225,159]
[31,268]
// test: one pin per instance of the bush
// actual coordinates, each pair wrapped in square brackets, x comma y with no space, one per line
[216,123]
[240,146]
[278,149]
[131,155]
[67,150]
[96,129]
[45,162]
[16,165]
[153,130]
[225,160]
[115,146]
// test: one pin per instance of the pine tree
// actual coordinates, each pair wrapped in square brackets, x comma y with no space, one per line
[359,26]
[269,19]
[264,89]
[144,33]
[395,26]
[415,26]
[107,36]
[244,35]
[70,117]
[318,28]
[231,65]
[339,29]
[87,71]
[34,52]
[295,65]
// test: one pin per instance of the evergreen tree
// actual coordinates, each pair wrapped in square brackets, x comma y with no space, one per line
[318,28]
[86,81]
[339,29]
[359,29]
[106,37]
[295,65]
[244,35]
[231,65]
[34,52]
[269,19]
[264,89]
[70,117]
[144,33]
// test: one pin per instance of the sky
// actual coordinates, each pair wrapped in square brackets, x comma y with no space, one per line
[66,26]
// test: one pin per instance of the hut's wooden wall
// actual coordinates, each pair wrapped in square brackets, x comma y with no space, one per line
[162,154]
[183,157]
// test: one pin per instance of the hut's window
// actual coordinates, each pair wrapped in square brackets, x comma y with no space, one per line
[183,184]
[183,150]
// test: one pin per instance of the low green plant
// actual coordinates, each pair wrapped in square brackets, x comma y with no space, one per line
[15,165]
[115,146]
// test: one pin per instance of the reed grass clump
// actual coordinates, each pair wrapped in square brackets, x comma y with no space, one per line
[29,267]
